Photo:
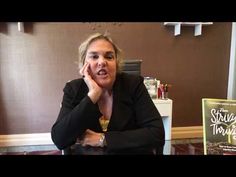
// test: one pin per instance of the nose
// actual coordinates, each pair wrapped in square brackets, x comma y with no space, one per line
[101,61]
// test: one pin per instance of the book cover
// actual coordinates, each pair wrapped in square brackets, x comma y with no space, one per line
[219,126]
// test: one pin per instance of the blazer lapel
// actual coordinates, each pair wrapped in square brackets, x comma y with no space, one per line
[121,108]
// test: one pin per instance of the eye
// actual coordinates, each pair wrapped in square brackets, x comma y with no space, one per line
[109,56]
[94,56]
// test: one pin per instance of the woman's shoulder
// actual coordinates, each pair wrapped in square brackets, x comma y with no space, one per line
[74,81]
[74,84]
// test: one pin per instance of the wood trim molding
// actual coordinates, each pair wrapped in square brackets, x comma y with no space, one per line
[45,138]
[25,139]
[187,132]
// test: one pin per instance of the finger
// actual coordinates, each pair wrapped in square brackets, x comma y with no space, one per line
[81,142]
[86,70]
[84,141]
[83,69]
[89,131]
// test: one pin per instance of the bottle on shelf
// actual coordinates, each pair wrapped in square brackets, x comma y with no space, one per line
[151,85]
[158,89]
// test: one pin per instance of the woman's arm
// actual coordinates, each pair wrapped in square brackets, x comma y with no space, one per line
[74,118]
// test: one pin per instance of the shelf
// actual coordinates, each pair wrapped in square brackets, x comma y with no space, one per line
[197,25]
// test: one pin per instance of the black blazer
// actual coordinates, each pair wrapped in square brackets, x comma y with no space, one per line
[135,123]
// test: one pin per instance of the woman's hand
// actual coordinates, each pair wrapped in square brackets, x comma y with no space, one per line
[91,138]
[94,90]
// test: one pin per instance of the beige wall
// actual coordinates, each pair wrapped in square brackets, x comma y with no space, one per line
[35,65]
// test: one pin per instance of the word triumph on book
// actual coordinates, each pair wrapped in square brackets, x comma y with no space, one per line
[223,122]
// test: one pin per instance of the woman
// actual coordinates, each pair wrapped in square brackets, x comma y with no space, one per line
[106,110]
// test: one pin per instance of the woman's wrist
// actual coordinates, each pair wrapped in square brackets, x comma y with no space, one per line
[94,96]
[102,140]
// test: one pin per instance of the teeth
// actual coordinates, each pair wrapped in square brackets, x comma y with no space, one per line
[102,72]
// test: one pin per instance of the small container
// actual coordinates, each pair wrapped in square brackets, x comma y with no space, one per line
[166,91]
[158,89]
[151,85]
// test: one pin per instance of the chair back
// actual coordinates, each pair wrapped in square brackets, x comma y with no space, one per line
[132,66]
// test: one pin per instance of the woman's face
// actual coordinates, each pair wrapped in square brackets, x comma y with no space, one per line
[102,61]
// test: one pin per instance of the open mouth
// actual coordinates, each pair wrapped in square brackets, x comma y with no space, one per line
[102,72]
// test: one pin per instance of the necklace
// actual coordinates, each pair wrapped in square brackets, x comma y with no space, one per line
[104,123]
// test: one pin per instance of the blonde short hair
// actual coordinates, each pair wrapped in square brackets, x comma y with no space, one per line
[84,47]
